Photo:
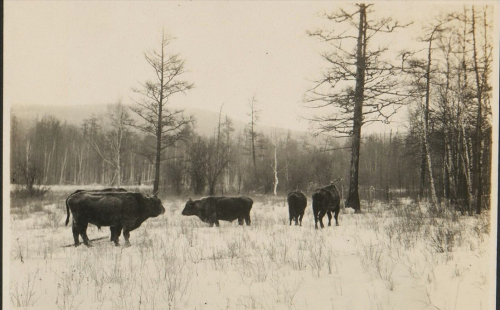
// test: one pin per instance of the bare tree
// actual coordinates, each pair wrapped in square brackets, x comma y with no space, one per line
[482,88]
[426,162]
[360,85]
[197,164]
[29,168]
[450,106]
[115,122]
[275,140]
[254,118]
[217,156]
[165,125]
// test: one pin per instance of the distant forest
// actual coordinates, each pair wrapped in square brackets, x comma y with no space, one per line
[49,151]
[445,155]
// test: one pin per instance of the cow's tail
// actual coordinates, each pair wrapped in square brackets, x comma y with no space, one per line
[67,210]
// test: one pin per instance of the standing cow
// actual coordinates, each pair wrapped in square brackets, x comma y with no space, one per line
[118,210]
[212,209]
[115,233]
[297,203]
[325,200]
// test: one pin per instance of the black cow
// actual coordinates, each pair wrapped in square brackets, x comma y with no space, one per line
[115,234]
[105,190]
[212,209]
[119,210]
[326,200]
[297,203]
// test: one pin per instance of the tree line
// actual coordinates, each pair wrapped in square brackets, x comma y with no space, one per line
[48,151]
[445,155]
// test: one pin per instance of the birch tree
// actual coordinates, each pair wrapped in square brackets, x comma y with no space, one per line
[110,148]
[275,140]
[426,162]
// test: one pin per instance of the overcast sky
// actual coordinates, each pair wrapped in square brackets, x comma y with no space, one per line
[74,53]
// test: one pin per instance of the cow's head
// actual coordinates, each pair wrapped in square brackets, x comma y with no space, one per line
[191,208]
[156,208]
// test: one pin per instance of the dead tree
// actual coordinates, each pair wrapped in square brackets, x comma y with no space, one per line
[165,125]
[360,86]
[254,118]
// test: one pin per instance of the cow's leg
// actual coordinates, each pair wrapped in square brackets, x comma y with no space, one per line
[76,233]
[126,235]
[337,217]
[291,218]
[296,219]
[315,219]
[115,234]
[300,219]
[320,218]
[329,213]
[83,233]
[247,220]
[214,220]
[240,221]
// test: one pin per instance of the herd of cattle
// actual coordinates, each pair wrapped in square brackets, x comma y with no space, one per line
[123,210]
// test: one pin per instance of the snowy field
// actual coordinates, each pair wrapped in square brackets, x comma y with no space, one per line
[393,256]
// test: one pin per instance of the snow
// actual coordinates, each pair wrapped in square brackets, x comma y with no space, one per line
[382,259]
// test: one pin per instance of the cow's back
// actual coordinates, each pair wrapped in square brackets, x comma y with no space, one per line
[248,202]
[296,199]
[334,197]
[231,208]
[326,198]
[105,208]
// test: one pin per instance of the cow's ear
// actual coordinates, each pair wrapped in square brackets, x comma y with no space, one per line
[190,199]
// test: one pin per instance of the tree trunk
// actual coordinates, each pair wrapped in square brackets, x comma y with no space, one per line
[431,178]
[353,198]
[286,160]
[423,169]
[388,174]
[211,188]
[275,170]
[27,172]
[426,120]
[131,177]
[103,176]
[252,135]
[466,168]
[118,171]
[63,168]
[156,185]
[477,145]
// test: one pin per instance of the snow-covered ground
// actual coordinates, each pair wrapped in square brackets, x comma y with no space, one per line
[396,256]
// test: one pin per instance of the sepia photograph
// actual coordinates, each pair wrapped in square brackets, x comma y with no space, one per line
[207,155]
